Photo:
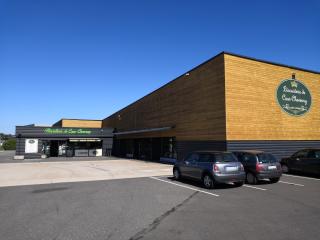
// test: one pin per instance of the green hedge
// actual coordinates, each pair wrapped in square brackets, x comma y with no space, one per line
[10,144]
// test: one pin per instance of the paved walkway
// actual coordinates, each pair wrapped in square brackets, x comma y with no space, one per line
[7,157]
[29,173]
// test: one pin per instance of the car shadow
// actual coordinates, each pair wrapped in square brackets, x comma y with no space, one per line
[263,182]
[198,184]
[293,173]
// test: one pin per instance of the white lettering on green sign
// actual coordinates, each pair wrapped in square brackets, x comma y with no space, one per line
[294,97]
[70,131]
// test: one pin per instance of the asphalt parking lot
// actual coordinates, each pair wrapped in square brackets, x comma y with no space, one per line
[7,157]
[161,208]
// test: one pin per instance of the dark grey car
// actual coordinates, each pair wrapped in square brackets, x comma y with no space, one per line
[259,165]
[210,167]
[304,161]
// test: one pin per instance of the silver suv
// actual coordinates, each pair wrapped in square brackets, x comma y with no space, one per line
[210,167]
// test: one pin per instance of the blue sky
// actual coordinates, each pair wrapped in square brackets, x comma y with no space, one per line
[87,59]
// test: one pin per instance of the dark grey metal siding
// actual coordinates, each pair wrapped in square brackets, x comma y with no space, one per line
[38,132]
[107,144]
[20,148]
[184,147]
[279,149]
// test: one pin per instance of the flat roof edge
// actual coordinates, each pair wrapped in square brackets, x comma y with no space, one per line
[176,78]
[270,62]
[80,119]
[210,59]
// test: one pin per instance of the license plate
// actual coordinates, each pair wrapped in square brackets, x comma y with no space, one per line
[231,169]
[272,167]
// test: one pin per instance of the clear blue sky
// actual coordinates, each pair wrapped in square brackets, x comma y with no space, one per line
[89,58]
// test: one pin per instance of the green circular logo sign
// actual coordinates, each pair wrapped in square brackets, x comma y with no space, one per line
[294,97]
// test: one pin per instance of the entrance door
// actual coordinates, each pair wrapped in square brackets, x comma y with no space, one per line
[54,148]
[156,149]
[144,149]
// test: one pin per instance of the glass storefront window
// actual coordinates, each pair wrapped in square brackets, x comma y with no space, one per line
[60,148]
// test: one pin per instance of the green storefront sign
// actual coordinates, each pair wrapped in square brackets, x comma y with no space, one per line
[69,131]
[294,97]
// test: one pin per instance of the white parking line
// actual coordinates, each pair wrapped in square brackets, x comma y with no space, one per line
[249,186]
[194,189]
[290,183]
[317,179]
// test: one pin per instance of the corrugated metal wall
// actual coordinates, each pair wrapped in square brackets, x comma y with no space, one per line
[279,149]
[107,144]
[185,147]
[20,148]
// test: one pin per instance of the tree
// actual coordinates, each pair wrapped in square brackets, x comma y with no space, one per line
[4,136]
[10,144]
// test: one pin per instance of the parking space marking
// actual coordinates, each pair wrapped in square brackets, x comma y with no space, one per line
[249,186]
[290,183]
[191,188]
[316,179]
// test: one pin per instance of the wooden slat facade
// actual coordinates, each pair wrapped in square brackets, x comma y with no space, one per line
[252,111]
[81,123]
[194,103]
[226,103]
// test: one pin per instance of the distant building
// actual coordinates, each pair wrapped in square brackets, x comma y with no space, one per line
[67,137]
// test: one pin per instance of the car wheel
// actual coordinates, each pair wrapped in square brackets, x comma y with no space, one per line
[251,178]
[238,184]
[274,180]
[176,174]
[285,168]
[207,181]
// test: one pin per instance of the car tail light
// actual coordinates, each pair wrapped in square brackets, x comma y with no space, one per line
[259,167]
[216,168]
[241,167]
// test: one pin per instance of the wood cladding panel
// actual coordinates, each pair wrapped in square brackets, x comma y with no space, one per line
[252,111]
[81,123]
[194,104]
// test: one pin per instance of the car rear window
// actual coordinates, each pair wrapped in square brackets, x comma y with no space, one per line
[206,158]
[226,157]
[266,158]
